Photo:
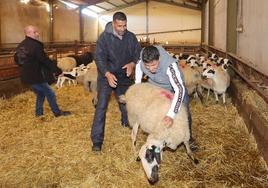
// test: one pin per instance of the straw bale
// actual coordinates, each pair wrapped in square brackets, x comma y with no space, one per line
[56,152]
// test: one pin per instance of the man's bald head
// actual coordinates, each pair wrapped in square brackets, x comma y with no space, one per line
[31,31]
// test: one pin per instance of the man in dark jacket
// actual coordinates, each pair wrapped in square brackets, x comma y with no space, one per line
[36,70]
[117,53]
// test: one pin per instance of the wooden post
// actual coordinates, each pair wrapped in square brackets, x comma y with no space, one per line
[147,21]
[81,24]
[51,22]
[211,23]
[231,33]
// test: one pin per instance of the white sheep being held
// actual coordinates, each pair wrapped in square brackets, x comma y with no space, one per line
[147,105]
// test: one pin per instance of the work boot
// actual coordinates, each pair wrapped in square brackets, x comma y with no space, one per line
[96,147]
[62,113]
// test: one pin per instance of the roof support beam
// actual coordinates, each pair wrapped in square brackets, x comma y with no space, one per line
[194,2]
[111,3]
[147,21]
[100,7]
[122,7]
[51,21]
[81,25]
[125,1]
[85,2]
[179,4]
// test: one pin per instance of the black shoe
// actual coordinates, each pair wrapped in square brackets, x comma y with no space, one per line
[96,148]
[125,125]
[62,113]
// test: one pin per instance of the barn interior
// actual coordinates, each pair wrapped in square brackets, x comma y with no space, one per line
[56,152]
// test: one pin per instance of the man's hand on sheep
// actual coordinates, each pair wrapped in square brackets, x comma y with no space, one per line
[168,121]
[112,80]
[130,67]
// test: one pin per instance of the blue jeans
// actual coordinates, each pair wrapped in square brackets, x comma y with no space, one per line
[44,90]
[104,93]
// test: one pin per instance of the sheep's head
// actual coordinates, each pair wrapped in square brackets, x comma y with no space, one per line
[190,58]
[150,155]
[213,57]
[208,73]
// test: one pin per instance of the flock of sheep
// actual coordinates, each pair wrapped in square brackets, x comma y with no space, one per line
[147,111]
[205,73]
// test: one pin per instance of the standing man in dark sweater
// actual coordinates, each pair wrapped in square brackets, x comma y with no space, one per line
[117,53]
[36,70]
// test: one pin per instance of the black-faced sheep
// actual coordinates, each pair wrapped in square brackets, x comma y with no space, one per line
[84,59]
[220,81]
[147,105]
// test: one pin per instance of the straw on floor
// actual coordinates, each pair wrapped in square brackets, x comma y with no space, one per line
[56,152]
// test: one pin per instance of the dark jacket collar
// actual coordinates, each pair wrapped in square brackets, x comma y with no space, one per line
[30,38]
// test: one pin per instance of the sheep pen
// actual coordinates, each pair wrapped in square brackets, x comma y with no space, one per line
[56,152]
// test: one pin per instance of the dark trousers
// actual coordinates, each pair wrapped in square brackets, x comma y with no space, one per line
[186,101]
[104,93]
[43,91]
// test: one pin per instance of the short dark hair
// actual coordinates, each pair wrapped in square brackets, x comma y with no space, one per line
[149,54]
[119,16]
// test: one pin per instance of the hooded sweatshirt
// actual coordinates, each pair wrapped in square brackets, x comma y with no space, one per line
[112,53]
[167,76]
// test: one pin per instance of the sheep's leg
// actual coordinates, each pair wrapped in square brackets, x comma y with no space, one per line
[74,82]
[190,153]
[93,88]
[134,136]
[223,97]
[95,99]
[199,94]
[58,82]
[208,94]
[62,81]
[216,96]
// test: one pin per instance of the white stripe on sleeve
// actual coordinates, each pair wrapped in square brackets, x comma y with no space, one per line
[138,73]
[177,84]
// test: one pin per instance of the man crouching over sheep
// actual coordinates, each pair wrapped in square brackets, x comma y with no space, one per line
[163,71]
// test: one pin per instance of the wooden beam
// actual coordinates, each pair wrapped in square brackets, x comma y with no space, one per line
[101,7]
[184,5]
[51,22]
[86,2]
[172,31]
[0,27]
[122,7]
[211,23]
[203,20]
[194,2]
[147,21]
[111,3]
[125,1]
[81,24]
[231,34]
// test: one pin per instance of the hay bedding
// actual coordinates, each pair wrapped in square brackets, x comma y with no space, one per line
[56,152]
